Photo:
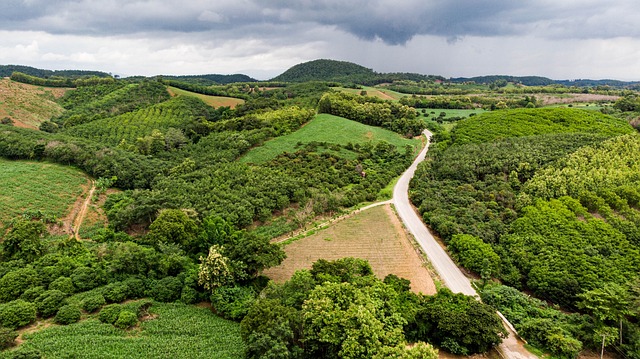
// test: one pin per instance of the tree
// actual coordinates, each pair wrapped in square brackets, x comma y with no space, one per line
[343,320]
[214,270]
[458,323]
[24,240]
[609,302]
[174,226]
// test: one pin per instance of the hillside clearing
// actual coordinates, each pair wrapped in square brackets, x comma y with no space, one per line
[36,186]
[374,92]
[28,105]
[330,129]
[375,234]
[213,101]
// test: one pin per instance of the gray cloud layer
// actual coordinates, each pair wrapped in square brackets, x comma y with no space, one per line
[392,21]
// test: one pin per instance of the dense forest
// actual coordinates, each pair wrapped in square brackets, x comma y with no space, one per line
[546,201]
[540,200]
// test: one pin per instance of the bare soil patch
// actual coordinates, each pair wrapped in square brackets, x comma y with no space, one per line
[375,234]
[574,97]
[28,105]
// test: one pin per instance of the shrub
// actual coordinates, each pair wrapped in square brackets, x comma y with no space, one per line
[85,278]
[135,288]
[189,295]
[93,302]
[63,284]
[167,289]
[115,292]
[16,282]
[7,338]
[49,302]
[17,313]
[68,314]
[126,319]
[233,302]
[28,353]
[109,313]
[31,294]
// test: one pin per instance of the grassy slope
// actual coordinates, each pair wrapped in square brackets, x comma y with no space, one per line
[375,92]
[28,105]
[213,101]
[179,331]
[41,186]
[325,128]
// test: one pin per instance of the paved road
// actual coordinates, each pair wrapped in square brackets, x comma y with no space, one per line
[442,263]
[511,347]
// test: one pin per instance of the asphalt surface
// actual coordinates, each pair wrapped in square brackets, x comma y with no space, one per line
[451,275]
[442,263]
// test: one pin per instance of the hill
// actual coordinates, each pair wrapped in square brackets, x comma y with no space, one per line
[212,79]
[7,70]
[27,105]
[330,129]
[325,70]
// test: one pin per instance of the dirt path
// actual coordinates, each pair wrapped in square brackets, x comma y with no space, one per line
[77,222]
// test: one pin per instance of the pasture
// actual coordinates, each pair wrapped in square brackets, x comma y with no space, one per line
[330,129]
[213,101]
[380,93]
[374,234]
[33,186]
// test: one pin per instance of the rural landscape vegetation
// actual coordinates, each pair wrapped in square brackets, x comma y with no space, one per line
[217,216]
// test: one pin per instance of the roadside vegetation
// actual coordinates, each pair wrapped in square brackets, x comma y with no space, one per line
[528,198]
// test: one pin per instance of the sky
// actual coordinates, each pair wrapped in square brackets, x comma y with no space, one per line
[560,39]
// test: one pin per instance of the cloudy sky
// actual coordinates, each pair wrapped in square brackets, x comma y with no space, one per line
[561,39]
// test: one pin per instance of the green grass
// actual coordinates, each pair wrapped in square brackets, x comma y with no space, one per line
[330,129]
[179,331]
[47,187]
[378,92]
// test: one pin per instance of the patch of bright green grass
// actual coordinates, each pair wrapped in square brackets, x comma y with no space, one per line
[178,331]
[330,129]
[435,112]
[50,188]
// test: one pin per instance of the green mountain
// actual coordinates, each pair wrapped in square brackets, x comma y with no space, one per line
[326,70]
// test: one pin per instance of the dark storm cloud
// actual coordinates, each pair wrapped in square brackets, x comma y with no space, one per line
[392,21]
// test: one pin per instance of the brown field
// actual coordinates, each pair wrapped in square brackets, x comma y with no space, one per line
[213,101]
[375,235]
[574,97]
[28,105]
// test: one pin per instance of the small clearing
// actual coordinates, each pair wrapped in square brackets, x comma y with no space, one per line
[375,234]
[28,105]
[213,101]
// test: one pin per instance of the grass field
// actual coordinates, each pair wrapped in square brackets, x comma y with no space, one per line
[28,105]
[47,187]
[326,128]
[178,331]
[214,101]
[435,112]
[374,234]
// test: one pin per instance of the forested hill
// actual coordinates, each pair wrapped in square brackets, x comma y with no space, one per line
[544,81]
[345,72]
[324,70]
[212,79]
[7,70]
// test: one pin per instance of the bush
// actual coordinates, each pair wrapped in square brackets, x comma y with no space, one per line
[7,338]
[31,294]
[126,319]
[16,282]
[233,302]
[115,292]
[93,303]
[167,289]
[135,288]
[28,353]
[63,284]
[68,314]
[189,295]
[109,314]
[85,278]
[49,302]
[17,313]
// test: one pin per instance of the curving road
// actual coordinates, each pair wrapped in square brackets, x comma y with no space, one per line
[511,347]
[442,263]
